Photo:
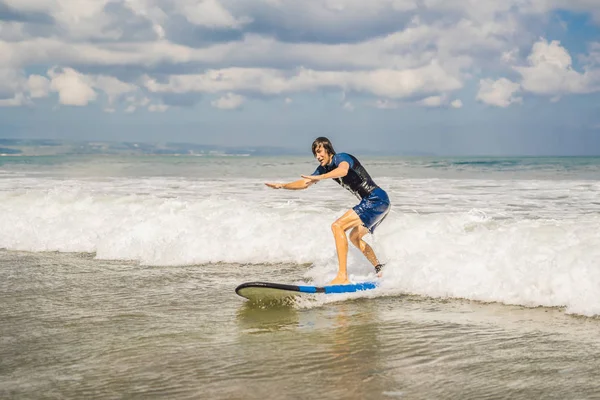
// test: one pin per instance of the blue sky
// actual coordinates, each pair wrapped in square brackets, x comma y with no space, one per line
[447,77]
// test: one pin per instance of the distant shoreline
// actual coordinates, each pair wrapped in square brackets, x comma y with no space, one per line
[47,147]
[44,147]
[124,154]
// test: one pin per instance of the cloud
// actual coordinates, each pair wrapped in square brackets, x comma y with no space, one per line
[384,83]
[499,92]
[510,56]
[229,101]
[77,89]
[113,87]
[413,51]
[11,81]
[420,57]
[18,90]
[550,72]
[433,101]
[12,31]
[17,100]
[73,88]
[77,19]
[456,103]
[209,13]
[410,48]
[136,102]
[38,86]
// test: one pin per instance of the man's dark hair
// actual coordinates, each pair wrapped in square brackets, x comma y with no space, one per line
[322,141]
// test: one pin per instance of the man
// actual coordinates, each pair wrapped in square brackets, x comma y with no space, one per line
[363,218]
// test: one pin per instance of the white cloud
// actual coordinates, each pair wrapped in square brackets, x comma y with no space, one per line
[229,101]
[498,93]
[78,19]
[113,87]
[209,13]
[383,83]
[550,72]
[17,90]
[38,86]
[433,101]
[135,102]
[11,80]
[150,9]
[388,49]
[19,99]
[12,31]
[73,88]
[456,103]
[510,56]
[359,6]
[159,30]
[451,44]
[77,89]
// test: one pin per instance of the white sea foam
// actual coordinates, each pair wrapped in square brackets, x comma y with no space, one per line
[534,243]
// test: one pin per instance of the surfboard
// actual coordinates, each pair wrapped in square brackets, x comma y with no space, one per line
[277,292]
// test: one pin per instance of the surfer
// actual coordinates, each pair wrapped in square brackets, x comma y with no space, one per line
[363,218]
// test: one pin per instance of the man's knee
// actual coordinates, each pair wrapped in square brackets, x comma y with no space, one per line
[337,227]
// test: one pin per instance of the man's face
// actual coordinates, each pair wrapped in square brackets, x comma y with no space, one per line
[322,156]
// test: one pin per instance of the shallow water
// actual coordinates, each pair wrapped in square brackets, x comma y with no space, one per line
[76,327]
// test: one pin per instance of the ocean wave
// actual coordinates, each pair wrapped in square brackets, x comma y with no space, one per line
[469,254]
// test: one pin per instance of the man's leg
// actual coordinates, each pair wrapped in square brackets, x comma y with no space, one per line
[347,221]
[356,238]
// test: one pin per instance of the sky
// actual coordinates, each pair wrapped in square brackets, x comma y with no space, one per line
[443,77]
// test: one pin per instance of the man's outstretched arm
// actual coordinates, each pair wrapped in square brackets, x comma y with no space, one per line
[339,172]
[296,185]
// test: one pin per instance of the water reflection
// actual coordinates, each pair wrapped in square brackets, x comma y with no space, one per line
[334,350]
[254,319]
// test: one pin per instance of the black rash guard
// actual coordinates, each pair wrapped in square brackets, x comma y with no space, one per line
[357,181]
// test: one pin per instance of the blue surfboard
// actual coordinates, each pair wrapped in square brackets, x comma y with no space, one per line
[269,292]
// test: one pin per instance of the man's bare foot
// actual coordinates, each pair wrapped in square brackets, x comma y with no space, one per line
[339,280]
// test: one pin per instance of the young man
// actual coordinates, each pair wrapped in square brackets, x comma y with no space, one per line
[363,218]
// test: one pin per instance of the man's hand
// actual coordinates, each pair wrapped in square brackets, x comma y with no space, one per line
[275,185]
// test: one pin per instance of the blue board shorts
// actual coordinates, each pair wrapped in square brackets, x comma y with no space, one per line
[373,209]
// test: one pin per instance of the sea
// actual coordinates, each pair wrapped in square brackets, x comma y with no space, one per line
[118,277]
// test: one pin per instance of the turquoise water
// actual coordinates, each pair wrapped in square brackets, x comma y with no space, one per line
[506,167]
